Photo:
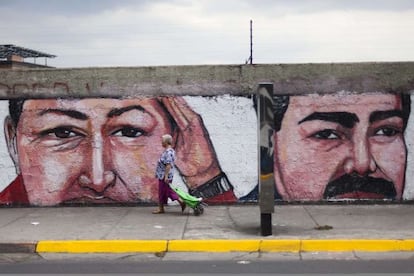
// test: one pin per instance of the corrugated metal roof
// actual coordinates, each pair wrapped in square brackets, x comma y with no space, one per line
[8,50]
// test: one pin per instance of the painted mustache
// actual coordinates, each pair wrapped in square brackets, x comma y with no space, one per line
[350,183]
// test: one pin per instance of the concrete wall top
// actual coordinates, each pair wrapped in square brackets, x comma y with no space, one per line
[207,80]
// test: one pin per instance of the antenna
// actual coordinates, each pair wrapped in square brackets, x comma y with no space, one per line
[251,41]
[250,59]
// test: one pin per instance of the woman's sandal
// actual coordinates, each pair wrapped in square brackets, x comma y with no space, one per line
[183,206]
[158,212]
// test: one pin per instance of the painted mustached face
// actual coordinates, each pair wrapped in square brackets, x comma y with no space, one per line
[341,146]
[90,150]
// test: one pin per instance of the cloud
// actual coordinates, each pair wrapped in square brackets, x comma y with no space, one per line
[69,8]
[278,7]
[337,36]
[139,33]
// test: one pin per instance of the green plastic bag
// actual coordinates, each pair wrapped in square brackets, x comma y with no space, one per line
[190,200]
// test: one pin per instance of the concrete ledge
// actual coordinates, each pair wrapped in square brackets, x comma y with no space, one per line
[280,246]
[213,245]
[102,246]
[17,247]
[357,245]
[259,245]
[207,80]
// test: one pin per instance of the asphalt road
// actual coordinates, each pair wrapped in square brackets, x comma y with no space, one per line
[228,267]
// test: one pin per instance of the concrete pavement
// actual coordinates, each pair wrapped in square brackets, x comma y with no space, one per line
[235,228]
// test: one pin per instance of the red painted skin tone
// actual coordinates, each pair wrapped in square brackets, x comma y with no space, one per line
[311,151]
[105,150]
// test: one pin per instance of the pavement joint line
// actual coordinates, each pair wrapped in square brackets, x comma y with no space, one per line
[221,245]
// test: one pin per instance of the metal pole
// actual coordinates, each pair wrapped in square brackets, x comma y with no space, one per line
[251,41]
[265,150]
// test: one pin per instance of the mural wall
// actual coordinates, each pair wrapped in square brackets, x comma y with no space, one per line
[341,146]
[104,150]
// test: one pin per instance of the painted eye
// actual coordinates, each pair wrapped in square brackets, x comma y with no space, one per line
[61,133]
[130,132]
[387,131]
[326,134]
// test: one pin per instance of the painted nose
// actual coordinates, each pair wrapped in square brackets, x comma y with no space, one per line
[362,161]
[97,177]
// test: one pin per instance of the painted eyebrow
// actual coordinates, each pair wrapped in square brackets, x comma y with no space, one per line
[346,119]
[67,112]
[382,115]
[119,111]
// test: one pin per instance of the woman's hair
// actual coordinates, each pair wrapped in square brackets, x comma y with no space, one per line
[167,138]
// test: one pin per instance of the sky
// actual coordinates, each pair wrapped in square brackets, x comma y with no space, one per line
[112,33]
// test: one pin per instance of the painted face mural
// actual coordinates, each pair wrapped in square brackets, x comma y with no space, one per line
[341,146]
[105,150]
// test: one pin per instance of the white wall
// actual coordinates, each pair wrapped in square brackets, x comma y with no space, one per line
[232,125]
[409,140]
[7,171]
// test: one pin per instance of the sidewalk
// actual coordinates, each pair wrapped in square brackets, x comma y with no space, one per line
[296,228]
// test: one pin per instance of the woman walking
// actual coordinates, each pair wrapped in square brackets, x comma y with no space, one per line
[164,174]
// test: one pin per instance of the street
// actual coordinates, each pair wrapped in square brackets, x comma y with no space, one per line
[156,265]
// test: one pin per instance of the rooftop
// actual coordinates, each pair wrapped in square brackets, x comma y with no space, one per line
[8,50]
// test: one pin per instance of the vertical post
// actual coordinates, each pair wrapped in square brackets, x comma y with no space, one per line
[265,117]
[251,41]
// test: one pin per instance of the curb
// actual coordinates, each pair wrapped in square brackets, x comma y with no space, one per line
[259,245]
[17,248]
